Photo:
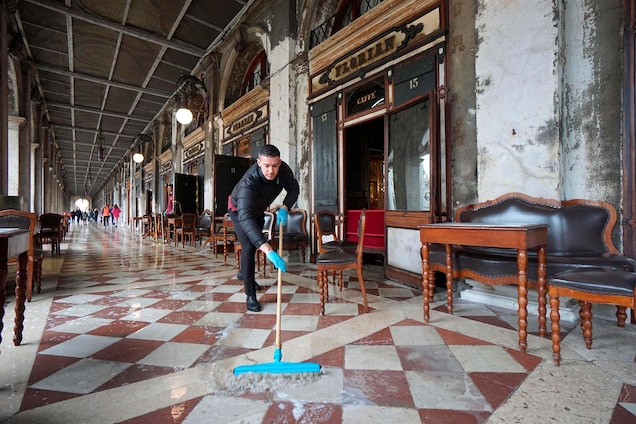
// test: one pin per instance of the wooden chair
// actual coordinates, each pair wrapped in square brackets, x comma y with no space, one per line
[225,235]
[204,227]
[328,226]
[268,230]
[50,231]
[590,285]
[187,227]
[339,260]
[22,219]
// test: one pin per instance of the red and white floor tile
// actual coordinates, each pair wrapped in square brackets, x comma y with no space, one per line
[131,330]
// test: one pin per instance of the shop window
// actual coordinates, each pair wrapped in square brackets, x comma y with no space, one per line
[413,79]
[348,11]
[409,159]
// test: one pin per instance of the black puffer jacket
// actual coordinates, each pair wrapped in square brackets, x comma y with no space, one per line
[254,193]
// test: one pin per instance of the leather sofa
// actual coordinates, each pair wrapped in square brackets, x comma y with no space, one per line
[579,236]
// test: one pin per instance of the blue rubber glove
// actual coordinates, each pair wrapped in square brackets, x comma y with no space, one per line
[278,262]
[281,215]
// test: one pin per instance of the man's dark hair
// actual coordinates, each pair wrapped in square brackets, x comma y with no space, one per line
[269,151]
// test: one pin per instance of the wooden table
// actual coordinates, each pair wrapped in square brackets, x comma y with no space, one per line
[14,242]
[519,237]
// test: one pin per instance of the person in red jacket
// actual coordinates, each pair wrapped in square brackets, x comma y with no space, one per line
[250,198]
[116,213]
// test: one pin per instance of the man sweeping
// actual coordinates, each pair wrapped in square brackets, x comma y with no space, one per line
[250,198]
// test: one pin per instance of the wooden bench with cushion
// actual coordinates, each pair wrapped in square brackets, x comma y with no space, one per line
[579,237]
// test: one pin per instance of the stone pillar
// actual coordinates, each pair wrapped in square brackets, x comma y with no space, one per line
[4,97]
[33,177]
[281,52]
[13,155]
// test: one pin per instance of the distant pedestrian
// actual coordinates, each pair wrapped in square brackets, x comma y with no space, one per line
[106,215]
[116,213]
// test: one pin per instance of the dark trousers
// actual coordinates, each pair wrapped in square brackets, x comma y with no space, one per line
[248,252]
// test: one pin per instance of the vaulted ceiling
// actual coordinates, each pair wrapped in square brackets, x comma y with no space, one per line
[112,65]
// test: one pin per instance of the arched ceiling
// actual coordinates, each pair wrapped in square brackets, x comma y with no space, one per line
[113,65]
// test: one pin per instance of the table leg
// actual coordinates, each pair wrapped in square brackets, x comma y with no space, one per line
[449,278]
[20,297]
[542,289]
[522,298]
[425,282]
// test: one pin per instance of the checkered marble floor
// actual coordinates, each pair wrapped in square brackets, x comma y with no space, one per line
[132,330]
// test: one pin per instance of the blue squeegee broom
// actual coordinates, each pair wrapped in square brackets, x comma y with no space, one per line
[278,367]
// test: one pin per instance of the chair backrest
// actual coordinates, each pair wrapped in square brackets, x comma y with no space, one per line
[296,223]
[189,220]
[361,225]
[205,219]
[268,224]
[12,218]
[327,225]
[50,221]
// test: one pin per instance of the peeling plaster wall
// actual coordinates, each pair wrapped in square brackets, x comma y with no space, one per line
[517,95]
[592,91]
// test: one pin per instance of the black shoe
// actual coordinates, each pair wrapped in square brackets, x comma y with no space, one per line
[252,304]
[258,287]
[239,276]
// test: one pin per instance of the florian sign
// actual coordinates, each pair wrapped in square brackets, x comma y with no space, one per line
[357,62]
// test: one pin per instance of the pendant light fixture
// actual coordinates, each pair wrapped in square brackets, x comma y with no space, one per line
[191,94]
[100,150]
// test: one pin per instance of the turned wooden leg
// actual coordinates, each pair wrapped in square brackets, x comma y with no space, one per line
[621,315]
[556,329]
[542,285]
[426,299]
[37,275]
[20,297]
[323,286]
[586,322]
[522,298]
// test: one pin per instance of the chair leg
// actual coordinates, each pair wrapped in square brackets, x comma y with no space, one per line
[29,282]
[556,329]
[38,275]
[621,315]
[586,323]
[323,289]
[362,288]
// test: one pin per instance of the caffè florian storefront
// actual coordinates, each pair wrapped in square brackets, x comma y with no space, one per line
[378,108]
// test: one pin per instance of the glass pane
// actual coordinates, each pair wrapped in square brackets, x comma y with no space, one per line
[409,159]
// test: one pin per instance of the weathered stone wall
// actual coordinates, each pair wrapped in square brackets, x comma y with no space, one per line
[591,98]
[517,86]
